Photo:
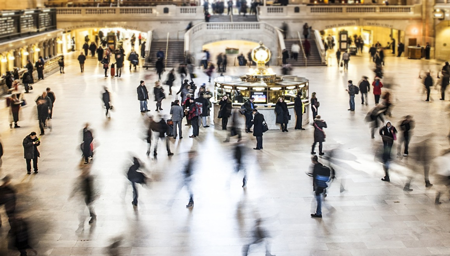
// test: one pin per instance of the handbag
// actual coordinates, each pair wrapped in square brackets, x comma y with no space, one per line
[265,128]
[342,64]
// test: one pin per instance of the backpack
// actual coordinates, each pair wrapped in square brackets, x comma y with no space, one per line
[321,181]
[198,109]
[356,89]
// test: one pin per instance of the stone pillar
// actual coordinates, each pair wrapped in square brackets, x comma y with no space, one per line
[2,64]
[18,59]
[428,24]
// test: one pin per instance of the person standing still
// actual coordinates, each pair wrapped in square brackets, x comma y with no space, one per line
[377,85]
[159,95]
[258,121]
[225,111]
[248,108]
[88,138]
[81,60]
[338,56]
[52,97]
[40,69]
[230,7]
[142,96]
[319,134]
[177,116]
[105,63]
[388,135]
[298,108]
[42,111]
[61,65]
[282,114]
[351,93]
[346,59]
[314,105]
[31,152]
[364,88]
[428,82]
[193,115]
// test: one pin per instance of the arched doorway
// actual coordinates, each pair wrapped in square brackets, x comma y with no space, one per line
[232,48]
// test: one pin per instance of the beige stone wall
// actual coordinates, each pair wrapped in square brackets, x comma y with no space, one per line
[20,4]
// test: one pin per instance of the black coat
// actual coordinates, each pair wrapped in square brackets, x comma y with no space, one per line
[142,92]
[106,98]
[42,110]
[428,82]
[81,59]
[298,106]
[158,93]
[225,108]
[258,124]
[30,150]
[319,136]
[364,86]
[100,53]
[282,113]
[159,66]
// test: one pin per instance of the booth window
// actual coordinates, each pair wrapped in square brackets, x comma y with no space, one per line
[166,10]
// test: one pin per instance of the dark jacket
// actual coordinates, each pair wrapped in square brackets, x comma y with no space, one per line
[351,90]
[85,46]
[170,78]
[100,53]
[159,65]
[388,134]
[321,174]
[225,108]
[26,78]
[1,149]
[298,105]
[133,175]
[30,150]
[406,126]
[249,106]
[319,136]
[282,113]
[428,81]
[177,113]
[364,86]
[133,58]
[52,97]
[142,92]
[30,67]
[106,98]
[87,136]
[39,66]
[119,60]
[158,93]
[314,103]
[92,47]
[42,110]
[81,59]
[105,62]
[258,124]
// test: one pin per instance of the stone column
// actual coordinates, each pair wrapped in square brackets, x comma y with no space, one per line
[18,59]
[428,24]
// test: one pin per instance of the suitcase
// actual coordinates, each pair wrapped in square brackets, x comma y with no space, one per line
[113,70]
[170,128]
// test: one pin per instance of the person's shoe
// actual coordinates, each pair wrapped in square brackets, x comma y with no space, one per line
[385,179]
[407,189]
[28,173]
[134,204]
[286,130]
[36,172]
[362,103]
[181,137]
[349,109]
[227,140]
[160,109]
[192,136]
[170,154]
[93,219]
[441,99]
[428,184]
[321,154]
[313,153]
[190,205]
[367,104]
[316,216]
[437,202]
[86,162]
[16,126]
[405,155]
[256,148]
[42,134]
[427,100]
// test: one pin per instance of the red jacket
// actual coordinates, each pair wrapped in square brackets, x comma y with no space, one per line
[377,89]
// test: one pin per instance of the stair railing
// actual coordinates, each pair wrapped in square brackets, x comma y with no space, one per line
[301,47]
[167,50]
[281,45]
[320,47]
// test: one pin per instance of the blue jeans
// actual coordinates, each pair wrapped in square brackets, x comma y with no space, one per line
[352,102]
[143,106]
[319,203]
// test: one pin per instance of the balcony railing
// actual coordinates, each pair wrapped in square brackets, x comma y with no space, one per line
[70,12]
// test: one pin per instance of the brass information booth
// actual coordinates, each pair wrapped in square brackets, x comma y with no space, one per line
[265,87]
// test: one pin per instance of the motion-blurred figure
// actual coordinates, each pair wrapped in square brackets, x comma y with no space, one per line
[406,126]
[260,235]
[234,127]
[84,187]
[238,154]
[387,104]
[136,177]
[161,128]
[106,98]
[424,158]
[374,117]
[8,198]
[187,173]
[321,176]
[388,134]
[21,236]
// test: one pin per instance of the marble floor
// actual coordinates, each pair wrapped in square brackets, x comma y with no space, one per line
[370,217]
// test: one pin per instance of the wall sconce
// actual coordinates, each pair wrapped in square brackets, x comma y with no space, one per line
[26,53]
[438,14]
[415,31]
[59,41]
[4,60]
[11,58]
[38,50]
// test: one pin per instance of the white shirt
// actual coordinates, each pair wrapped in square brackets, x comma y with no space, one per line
[295,48]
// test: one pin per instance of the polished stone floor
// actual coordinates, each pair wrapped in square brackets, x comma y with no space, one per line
[369,218]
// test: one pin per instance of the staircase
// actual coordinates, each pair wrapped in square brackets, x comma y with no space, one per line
[314,58]
[220,18]
[174,55]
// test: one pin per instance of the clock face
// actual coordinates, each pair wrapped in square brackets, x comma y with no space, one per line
[261,55]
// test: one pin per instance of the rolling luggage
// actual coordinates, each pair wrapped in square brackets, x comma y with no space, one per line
[170,128]
[113,69]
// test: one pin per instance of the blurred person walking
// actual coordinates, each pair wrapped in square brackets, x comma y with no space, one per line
[234,127]
[133,58]
[85,188]
[238,154]
[61,65]
[319,134]
[52,97]
[43,110]
[259,128]
[298,108]
[82,60]
[31,152]
[20,234]
[375,116]
[159,65]
[364,88]
[321,176]
[282,114]
[177,116]
[406,127]
[100,52]
[106,98]
[27,79]
[105,63]
[260,235]
[171,79]
[161,128]
[224,111]
[247,110]
[193,114]
[315,104]
[187,175]
[14,105]
[388,135]
[8,198]
[86,145]
[142,94]
[134,176]
[346,59]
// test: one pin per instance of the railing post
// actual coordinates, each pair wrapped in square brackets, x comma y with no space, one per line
[167,50]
